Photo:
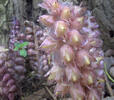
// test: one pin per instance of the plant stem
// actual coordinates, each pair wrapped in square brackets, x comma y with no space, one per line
[108,75]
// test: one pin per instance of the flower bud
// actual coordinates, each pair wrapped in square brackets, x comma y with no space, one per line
[78,23]
[93,95]
[55,4]
[72,73]
[77,92]
[19,60]
[65,14]
[10,82]
[61,29]
[20,69]
[1,62]
[2,70]
[75,37]
[11,70]
[31,52]
[5,90]
[83,58]
[88,78]
[61,89]
[28,30]
[48,44]
[31,45]
[47,20]
[56,73]
[52,6]
[67,53]
[11,96]
[29,38]
[21,36]
[6,77]
[12,88]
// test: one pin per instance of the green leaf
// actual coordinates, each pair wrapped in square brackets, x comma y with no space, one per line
[23,53]
[23,44]
[20,45]
[17,46]
[16,49]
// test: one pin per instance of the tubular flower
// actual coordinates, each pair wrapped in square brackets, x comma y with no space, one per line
[47,20]
[75,38]
[65,14]
[49,43]
[78,56]
[67,53]
[60,29]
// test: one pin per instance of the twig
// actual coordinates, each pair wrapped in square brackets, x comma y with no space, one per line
[50,93]
[108,86]
[108,75]
[107,82]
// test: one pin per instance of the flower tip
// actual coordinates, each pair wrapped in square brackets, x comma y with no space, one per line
[87,61]
[67,53]
[65,14]
[47,20]
[60,28]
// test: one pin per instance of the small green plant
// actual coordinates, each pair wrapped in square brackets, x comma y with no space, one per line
[21,48]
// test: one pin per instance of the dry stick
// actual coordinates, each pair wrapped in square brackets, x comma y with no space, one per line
[108,86]
[50,93]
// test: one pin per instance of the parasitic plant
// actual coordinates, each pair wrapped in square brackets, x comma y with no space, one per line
[38,60]
[78,58]
[16,53]
[8,87]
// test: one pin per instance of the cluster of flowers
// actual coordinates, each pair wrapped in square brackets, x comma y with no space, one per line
[8,88]
[16,63]
[13,65]
[72,37]
[78,58]
[38,59]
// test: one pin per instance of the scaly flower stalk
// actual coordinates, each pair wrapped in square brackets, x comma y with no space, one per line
[15,62]
[78,58]
[38,59]
[8,87]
